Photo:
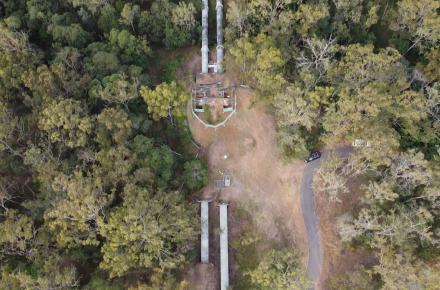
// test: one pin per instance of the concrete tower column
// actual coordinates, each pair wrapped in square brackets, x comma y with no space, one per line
[204,239]
[205,50]
[224,258]
[220,48]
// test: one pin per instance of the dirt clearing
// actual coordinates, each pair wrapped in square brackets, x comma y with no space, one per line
[262,182]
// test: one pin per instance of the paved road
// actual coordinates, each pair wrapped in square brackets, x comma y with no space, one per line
[314,265]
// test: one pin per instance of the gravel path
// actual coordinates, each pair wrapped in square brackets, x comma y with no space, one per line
[314,265]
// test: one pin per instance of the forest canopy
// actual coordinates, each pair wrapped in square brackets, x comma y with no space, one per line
[87,165]
[94,144]
[338,71]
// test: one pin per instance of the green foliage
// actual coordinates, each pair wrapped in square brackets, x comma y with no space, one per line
[431,65]
[357,279]
[161,161]
[279,269]
[98,283]
[170,69]
[163,280]
[373,91]
[116,123]
[16,232]
[132,49]
[73,219]
[401,270]
[102,63]
[195,174]
[418,21]
[51,274]
[247,248]
[173,25]
[165,100]
[115,88]
[141,234]
[108,19]
[65,121]
[258,63]
[64,32]
[293,108]
[84,168]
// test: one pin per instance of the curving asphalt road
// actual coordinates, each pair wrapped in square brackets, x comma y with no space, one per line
[314,265]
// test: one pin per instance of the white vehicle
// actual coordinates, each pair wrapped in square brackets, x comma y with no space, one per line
[361,143]
[227,180]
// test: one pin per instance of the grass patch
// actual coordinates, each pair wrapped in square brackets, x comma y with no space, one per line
[170,68]
[246,248]
[207,114]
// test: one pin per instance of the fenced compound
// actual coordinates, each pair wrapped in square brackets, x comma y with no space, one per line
[213,105]
[223,183]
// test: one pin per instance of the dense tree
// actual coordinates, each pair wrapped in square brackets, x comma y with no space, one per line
[51,277]
[84,169]
[237,17]
[132,49]
[430,66]
[174,25]
[64,32]
[8,128]
[279,270]
[258,63]
[403,271]
[409,178]
[292,142]
[195,174]
[73,219]
[130,14]
[65,121]
[165,100]
[373,91]
[293,107]
[333,178]
[308,16]
[17,232]
[115,89]
[353,19]
[162,280]
[183,26]
[419,20]
[116,123]
[357,279]
[147,230]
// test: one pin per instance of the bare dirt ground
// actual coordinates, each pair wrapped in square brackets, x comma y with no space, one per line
[338,259]
[202,277]
[246,149]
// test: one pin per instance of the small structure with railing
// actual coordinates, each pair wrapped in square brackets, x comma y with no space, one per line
[213,104]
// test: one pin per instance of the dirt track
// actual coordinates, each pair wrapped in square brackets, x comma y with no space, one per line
[314,265]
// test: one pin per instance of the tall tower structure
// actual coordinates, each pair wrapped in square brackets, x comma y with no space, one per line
[205,49]
[220,48]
